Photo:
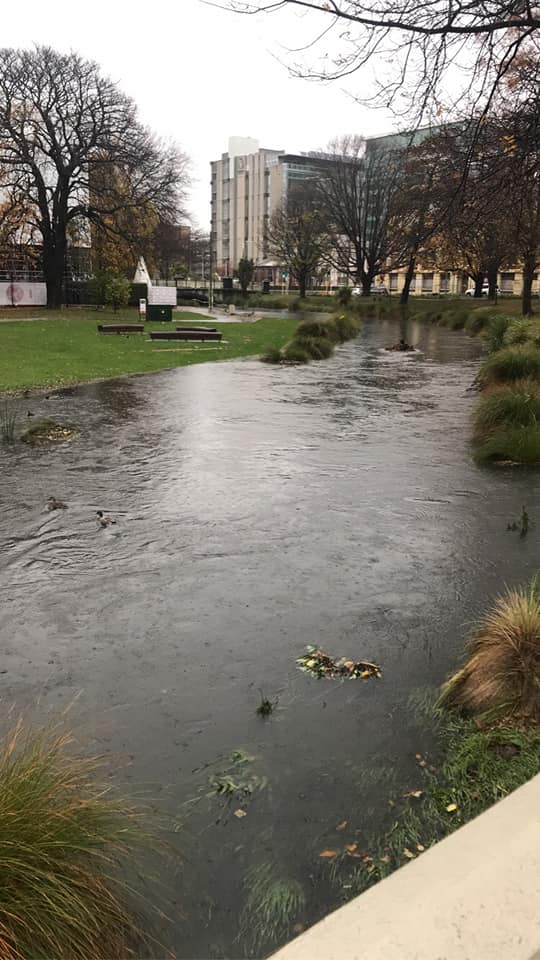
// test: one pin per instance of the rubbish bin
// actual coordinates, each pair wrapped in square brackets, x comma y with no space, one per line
[266,286]
[155,312]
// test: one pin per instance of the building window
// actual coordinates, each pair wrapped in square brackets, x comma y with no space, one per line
[412,287]
[393,282]
[427,283]
[444,282]
[507,282]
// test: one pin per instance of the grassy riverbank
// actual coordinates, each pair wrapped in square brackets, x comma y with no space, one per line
[61,348]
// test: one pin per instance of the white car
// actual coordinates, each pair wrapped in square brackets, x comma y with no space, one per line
[485,290]
[377,289]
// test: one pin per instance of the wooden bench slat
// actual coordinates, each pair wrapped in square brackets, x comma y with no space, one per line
[184,335]
[120,327]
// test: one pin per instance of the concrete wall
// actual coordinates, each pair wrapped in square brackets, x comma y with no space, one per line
[23,293]
[474,896]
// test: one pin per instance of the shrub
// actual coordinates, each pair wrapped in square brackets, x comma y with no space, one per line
[295,353]
[517,332]
[313,328]
[62,838]
[295,305]
[273,904]
[344,296]
[495,331]
[501,678]
[478,319]
[318,348]
[512,363]
[517,405]
[513,444]
[346,327]
[272,355]
[455,319]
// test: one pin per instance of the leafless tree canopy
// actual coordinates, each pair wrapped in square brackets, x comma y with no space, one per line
[298,236]
[412,44]
[355,192]
[73,150]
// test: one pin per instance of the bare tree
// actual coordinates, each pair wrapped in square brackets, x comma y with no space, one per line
[421,39]
[63,128]
[297,236]
[355,190]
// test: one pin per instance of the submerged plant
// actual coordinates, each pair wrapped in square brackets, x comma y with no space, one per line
[8,421]
[266,707]
[273,904]
[62,839]
[501,677]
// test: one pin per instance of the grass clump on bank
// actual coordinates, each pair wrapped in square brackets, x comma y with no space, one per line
[510,364]
[507,418]
[272,906]
[315,340]
[501,678]
[514,406]
[62,840]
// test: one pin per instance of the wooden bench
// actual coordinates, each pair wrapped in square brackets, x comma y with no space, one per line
[120,327]
[185,335]
[197,329]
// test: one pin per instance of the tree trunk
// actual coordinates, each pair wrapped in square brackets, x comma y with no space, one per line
[492,273]
[54,266]
[404,298]
[528,273]
[478,284]
[366,285]
[302,286]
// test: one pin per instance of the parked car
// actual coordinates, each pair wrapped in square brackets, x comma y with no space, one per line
[485,290]
[376,289]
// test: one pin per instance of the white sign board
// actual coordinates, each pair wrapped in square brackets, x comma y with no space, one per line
[162,296]
[22,293]
[142,307]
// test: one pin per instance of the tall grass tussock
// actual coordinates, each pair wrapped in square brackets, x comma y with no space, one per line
[315,339]
[517,405]
[62,841]
[509,364]
[501,677]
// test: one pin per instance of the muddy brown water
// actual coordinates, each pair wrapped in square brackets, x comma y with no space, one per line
[259,509]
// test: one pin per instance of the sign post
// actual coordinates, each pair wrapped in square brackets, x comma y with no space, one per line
[142,309]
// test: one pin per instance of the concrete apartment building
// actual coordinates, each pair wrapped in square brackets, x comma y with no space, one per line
[248,185]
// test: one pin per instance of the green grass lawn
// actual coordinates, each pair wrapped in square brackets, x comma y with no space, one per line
[63,347]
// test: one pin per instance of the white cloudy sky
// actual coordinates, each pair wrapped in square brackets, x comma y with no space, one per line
[200,74]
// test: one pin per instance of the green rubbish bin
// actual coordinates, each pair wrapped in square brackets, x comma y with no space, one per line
[155,312]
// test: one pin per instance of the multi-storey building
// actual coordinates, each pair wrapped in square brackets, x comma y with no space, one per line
[248,185]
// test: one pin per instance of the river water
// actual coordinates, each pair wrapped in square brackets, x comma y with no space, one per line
[259,509]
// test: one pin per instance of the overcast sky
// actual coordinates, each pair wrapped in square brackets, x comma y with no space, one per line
[200,75]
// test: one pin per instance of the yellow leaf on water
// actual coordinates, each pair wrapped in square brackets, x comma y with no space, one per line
[328,854]
[240,813]
[420,847]
[408,853]
[342,825]
[414,793]
[385,859]
[451,807]
[351,847]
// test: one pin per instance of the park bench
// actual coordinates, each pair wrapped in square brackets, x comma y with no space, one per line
[120,327]
[185,335]
[197,329]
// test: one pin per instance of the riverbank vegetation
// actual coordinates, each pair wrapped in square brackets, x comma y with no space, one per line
[63,840]
[315,340]
[63,348]
[487,744]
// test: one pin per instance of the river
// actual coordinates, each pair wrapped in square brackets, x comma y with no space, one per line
[259,509]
